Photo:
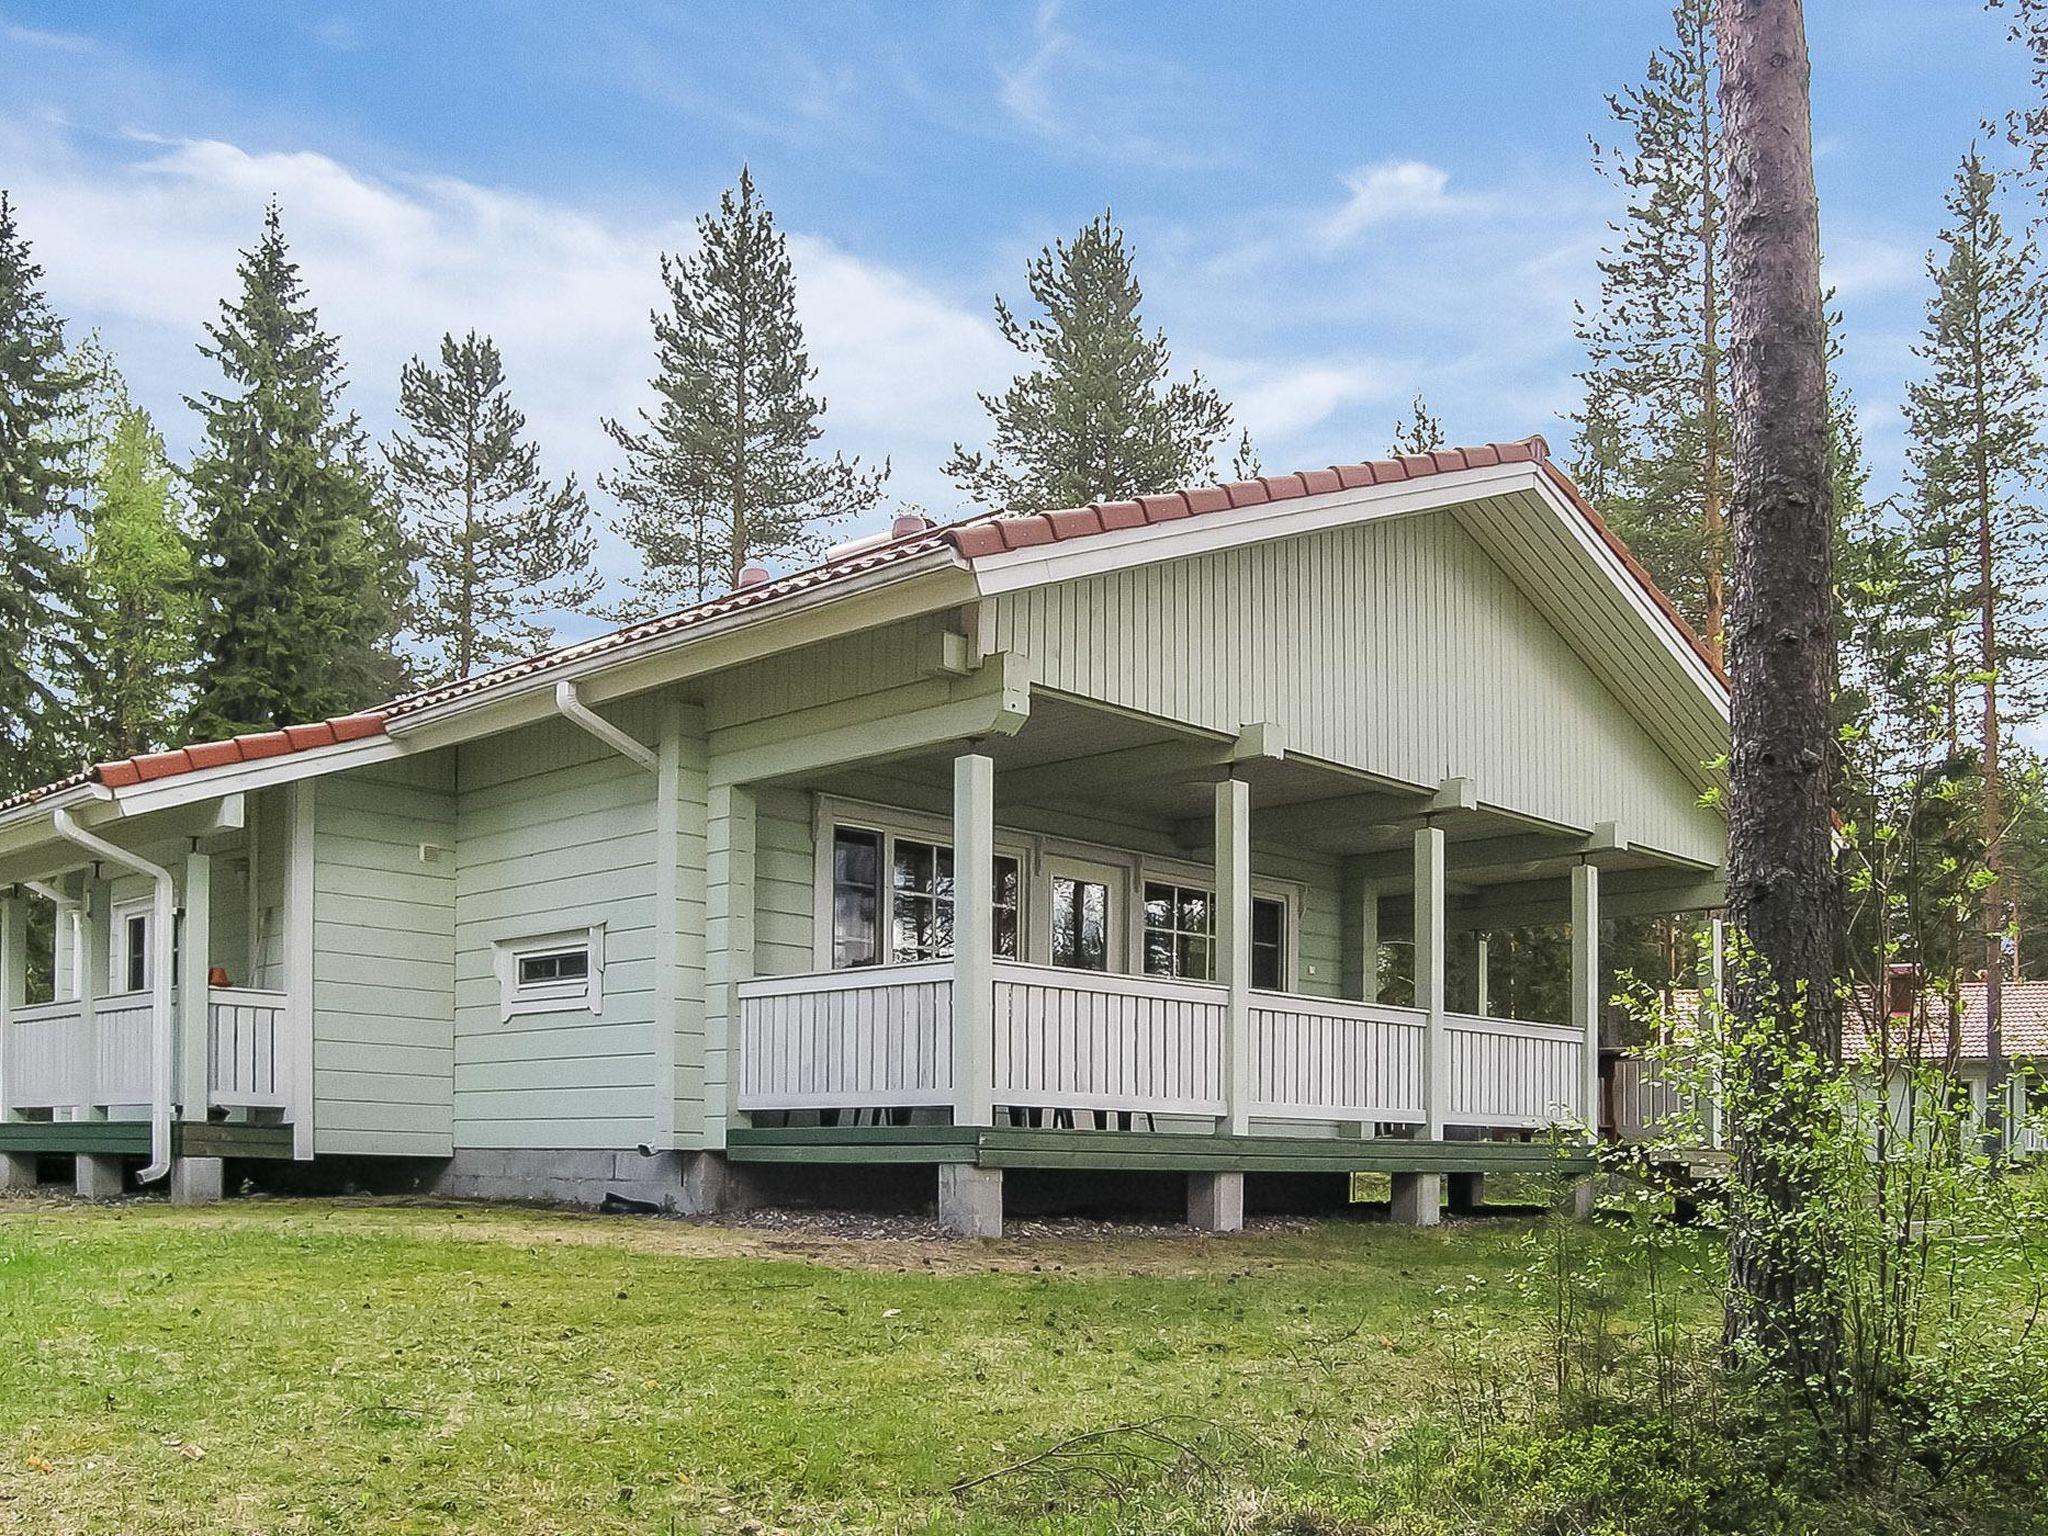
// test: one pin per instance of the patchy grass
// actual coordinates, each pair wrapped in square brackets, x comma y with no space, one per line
[346,1367]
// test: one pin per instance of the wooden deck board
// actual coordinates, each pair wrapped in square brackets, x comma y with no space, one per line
[130,1138]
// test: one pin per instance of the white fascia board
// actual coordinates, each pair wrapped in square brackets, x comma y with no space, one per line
[1600,554]
[237,778]
[1182,536]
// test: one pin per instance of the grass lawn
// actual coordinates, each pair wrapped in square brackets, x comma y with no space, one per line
[288,1366]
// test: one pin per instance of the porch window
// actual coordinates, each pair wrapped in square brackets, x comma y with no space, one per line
[132,947]
[914,906]
[1180,935]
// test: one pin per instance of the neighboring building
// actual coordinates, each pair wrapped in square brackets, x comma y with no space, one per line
[1051,842]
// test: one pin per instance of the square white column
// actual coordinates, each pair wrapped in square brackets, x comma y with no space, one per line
[1234,948]
[974,975]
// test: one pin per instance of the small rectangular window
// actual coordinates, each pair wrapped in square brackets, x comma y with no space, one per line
[856,897]
[1269,944]
[917,899]
[552,972]
[1180,932]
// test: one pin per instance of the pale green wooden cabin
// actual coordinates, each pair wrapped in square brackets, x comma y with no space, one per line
[1063,842]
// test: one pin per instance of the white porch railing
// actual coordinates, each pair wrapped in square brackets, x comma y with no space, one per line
[1067,1039]
[1318,1059]
[880,1036]
[1505,1072]
[52,1064]
[248,1055]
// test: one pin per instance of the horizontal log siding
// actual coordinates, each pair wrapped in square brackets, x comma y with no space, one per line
[1396,647]
[556,831]
[383,957]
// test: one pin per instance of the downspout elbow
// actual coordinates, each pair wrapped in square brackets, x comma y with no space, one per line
[160,1043]
[570,706]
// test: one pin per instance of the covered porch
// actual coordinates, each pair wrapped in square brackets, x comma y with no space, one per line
[1093,922]
[147,1008]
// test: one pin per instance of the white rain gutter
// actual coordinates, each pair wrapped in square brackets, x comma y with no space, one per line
[164,946]
[570,706]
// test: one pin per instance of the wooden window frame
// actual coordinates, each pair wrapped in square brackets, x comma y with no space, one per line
[584,994]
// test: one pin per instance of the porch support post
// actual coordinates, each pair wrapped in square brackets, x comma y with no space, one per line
[1429,976]
[95,898]
[17,1169]
[298,957]
[1586,986]
[195,945]
[668,774]
[1482,970]
[1369,942]
[730,833]
[1234,948]
[974,949]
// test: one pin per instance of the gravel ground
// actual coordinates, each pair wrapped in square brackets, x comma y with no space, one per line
[811,1223]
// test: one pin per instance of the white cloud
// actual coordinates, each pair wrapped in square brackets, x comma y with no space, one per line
[144,245]
[1281,402]
[1390,190]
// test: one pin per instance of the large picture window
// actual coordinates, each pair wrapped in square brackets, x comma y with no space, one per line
[909,914]
[1180,935]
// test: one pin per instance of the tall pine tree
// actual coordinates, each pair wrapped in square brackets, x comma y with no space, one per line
[43,474]
[496,543]
[722,473]
[301,578]
[1978,456]
[1095,416]
[136,570]
[1654,440]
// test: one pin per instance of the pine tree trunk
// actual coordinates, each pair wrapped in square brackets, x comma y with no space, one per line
[1994,856]
[1782,893]
[1714,528]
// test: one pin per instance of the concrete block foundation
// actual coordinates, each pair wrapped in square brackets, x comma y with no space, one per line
[99,1176]
[198,1180]
[17,1170]
[1216,1202]
[970,1200]
[685,1183]
[1418,1199]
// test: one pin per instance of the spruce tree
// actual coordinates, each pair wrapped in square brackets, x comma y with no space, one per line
[136,572]
[722,473]
[1418,431]
[1978,455]
[43,473]
[301,580]
[496,542]
[1094,417]
[1654,437]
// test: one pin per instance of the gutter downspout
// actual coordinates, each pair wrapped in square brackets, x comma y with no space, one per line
[166,939]
[570,706]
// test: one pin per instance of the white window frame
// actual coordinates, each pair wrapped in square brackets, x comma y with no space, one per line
[119,915]
[912,826]
[1033,852]
[585,994]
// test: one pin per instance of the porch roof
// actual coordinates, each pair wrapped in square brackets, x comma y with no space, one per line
[981,537]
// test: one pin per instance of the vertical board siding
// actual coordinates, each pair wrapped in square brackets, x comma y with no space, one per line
[248,1044]
[851,1039]
[1341,1061]
[1395,647]
[383,956]
[121,1049]
[556,831]
[1075,1040]
[1507,1073]
[45,1057]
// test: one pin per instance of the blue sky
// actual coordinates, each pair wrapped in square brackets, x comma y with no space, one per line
[1333,206]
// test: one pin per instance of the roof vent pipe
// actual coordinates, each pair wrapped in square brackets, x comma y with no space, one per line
[753,576]
[908,523]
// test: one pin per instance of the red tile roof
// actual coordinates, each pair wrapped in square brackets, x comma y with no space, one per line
[2023,1023]
[971,539]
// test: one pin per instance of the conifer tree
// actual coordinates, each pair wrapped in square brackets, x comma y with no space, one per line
[1418,431]
[496,542]
[136,570]
[1654,441]
[42,477]
[1978,453]
[722,473]
[1094,417]
[301,579]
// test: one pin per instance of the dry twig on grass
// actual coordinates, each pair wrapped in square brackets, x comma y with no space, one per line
[1109,1462]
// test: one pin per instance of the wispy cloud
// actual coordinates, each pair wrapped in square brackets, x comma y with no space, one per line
[35,37]
[1389,191]
[1083,97]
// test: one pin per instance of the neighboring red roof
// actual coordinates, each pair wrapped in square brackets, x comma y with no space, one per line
[2022,1017]
[971,539]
